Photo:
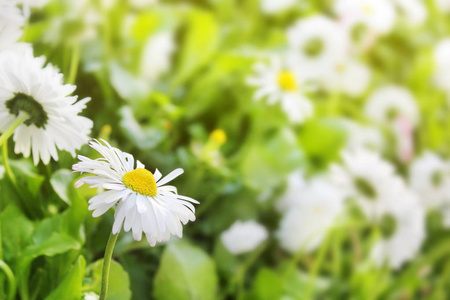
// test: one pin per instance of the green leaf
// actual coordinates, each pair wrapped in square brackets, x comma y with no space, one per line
[60,181]
[27,179]
[202,33]
[16,231]
[268,285]
[70,287]
[119,282]
[186,272]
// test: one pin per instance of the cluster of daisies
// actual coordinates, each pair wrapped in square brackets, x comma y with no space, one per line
[324,55]
[38,110]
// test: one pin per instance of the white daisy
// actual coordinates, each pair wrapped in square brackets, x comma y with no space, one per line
[429,176]
[243,237]
[11,21]
[365,177]
[144,203]
[316,44]
[279,83]
[388,103]
[275,6]
[443,5]
[157,55]
[404,134]
[296,184]
[348,76]
[403,230]
[27,86]
[442,65]
[307,222]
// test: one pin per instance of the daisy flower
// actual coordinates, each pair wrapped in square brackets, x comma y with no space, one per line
[429,176]
[389,103]
[11,21]
[316,44]
[307,222]
[296,184]
[442,65]
[365,177]
[144,204]
[443,5]
[275,6]
[413,11]
[244,237]
[361,136]
[403,229]
[27,87]
[278,83]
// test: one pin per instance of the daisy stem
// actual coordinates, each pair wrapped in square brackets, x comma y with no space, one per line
[11,280]
[74,62]
[22,117]
[7,166]
[107,264]
[316,268]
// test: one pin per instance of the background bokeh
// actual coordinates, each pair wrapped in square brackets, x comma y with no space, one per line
[314,134]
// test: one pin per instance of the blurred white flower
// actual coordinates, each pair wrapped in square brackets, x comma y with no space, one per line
[296,184]
[279,83]
[307,222]
[144,203]
[11,21]
[27,86]
[91,296]
[377,15]
[2,172]
[404,134]
[275,6]
[442,65]
[244,237]
[403,230]
[316,44]
[429,176]
[157,55]
[365,177]
[360,136]
[443,5]
[414,11]
[348,76]
[388,103]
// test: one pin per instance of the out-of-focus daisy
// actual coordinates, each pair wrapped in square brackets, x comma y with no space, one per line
[316,44]
[275,6]
[365,177]
[2,172]
[347,76]
[442,65]
[243,237]
[281,84]
[91,296]
[26,86]
[157,55]
[404,134]
[403,230]
[361,136]
[413,11]
[144,203]
[443,5]
[307,222]
[389,103]
[296,184]
[429,176]
[11,21]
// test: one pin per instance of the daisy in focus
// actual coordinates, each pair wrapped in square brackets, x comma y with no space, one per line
[144,203]
[278,83]
[36,95]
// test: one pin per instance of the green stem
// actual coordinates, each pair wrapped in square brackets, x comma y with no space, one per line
[74,62]
[316,267]
[7,166]
[22,117]
[11,280]
[107,264]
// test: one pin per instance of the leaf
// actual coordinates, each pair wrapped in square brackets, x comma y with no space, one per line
[16,231]
[119,282]
[27,179]
[202,33]
[60,181]
[186,272]
[268,285]
[70,287]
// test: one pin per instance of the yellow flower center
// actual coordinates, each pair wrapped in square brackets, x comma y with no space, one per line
[218,136]
[286,81]
[141,181]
